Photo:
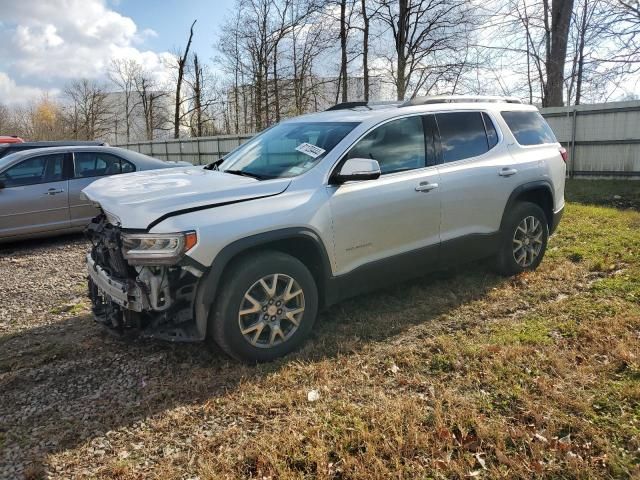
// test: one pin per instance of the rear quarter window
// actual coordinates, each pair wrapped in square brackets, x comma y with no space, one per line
[529,128]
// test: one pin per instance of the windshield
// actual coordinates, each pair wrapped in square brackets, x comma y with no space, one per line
[286,150]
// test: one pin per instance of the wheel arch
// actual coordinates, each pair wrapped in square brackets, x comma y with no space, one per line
[539,192]
[301,243]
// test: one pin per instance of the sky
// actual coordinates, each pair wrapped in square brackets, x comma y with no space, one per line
[46,43]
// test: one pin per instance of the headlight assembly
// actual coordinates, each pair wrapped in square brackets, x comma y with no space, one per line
[156,248]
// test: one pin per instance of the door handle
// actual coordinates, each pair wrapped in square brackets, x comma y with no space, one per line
[507,172]
[54,191]
[426,187]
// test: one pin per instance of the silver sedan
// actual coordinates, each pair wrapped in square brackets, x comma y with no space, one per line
[40,189]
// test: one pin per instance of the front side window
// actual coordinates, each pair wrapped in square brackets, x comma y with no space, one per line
[96,164]
[462,135]
[397,145]
[286,150]
[42,169]
[529,128]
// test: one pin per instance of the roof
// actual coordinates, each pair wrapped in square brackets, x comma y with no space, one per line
[378,112]
[138,158]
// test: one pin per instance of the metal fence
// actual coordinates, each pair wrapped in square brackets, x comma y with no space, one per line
[198,151]
[603,140]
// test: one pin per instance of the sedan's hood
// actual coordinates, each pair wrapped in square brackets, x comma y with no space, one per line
[137,200]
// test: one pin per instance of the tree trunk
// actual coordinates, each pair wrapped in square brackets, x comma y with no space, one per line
[343,49]
[365,50]
[276,93]
[401,47]
[583,33]
[561,11]
[182,62]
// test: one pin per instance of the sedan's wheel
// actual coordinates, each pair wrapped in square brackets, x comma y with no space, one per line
[271,310]
[266,308]
[525,232]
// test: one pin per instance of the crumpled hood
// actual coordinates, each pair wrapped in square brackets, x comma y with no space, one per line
[137,200]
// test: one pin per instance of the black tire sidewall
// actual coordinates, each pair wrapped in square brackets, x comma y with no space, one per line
[223,321]
[506,262]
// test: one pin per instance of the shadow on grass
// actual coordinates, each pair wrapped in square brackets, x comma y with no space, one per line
[68,382]
[621,194]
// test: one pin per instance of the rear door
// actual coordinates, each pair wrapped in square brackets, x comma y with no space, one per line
[477,176]
[35,196]
[87,168]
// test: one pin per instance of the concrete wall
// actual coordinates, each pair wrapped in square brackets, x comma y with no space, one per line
[603,140]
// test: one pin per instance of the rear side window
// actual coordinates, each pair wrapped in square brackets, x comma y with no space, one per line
[462,135]
[529,128]
[95,164]
[492,134]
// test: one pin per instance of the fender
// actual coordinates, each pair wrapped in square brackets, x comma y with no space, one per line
[208,285]
[526,187]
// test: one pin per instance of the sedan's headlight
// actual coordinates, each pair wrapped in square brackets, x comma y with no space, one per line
[156,248]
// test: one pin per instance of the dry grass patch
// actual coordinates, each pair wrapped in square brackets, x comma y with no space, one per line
[460,375]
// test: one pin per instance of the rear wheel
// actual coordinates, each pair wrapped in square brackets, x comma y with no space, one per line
[266,308]
[524,239]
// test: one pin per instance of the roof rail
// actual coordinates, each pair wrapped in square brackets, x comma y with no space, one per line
[458,99]
[346,105]
[372,105]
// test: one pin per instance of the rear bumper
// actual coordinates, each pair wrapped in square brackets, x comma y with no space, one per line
[557,216]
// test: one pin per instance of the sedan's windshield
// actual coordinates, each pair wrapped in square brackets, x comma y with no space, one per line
[286,150]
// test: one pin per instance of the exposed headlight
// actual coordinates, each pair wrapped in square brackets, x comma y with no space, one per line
[156,248]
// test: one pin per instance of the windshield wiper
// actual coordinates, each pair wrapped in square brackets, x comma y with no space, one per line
[245,174]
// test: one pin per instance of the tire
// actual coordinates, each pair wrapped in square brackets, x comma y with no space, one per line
[520,239]
[273,324]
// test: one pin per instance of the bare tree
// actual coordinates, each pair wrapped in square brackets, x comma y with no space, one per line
[150,95]
[123,73]
[88,112]
[181,69]
[421,30]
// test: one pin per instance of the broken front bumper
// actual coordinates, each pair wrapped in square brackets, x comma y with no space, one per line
[128,306]
[125,295]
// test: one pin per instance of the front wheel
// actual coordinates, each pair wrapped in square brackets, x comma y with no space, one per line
[266,308]
[523,239]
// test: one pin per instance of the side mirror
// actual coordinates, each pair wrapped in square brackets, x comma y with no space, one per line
[358,169]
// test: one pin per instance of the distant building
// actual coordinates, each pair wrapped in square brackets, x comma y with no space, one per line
[158,104]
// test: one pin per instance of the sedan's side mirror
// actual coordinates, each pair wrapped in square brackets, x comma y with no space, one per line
[358,169]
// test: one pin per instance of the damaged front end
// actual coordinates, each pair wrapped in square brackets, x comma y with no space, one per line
[143,282]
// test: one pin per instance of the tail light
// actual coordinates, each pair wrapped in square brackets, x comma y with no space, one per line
[564,154]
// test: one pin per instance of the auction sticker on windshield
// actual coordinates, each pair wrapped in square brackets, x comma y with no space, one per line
[311,150]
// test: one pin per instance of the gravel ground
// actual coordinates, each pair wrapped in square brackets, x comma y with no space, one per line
[67,386]
[39,279]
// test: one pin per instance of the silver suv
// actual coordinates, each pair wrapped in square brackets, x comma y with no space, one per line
[246,250]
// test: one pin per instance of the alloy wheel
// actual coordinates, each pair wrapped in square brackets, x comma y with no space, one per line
[527,241]
[271,310]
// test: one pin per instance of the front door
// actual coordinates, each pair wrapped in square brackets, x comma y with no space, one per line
[35,196]
[397,216]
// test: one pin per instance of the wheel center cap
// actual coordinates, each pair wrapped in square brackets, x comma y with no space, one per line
[272,310]
[526,241]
